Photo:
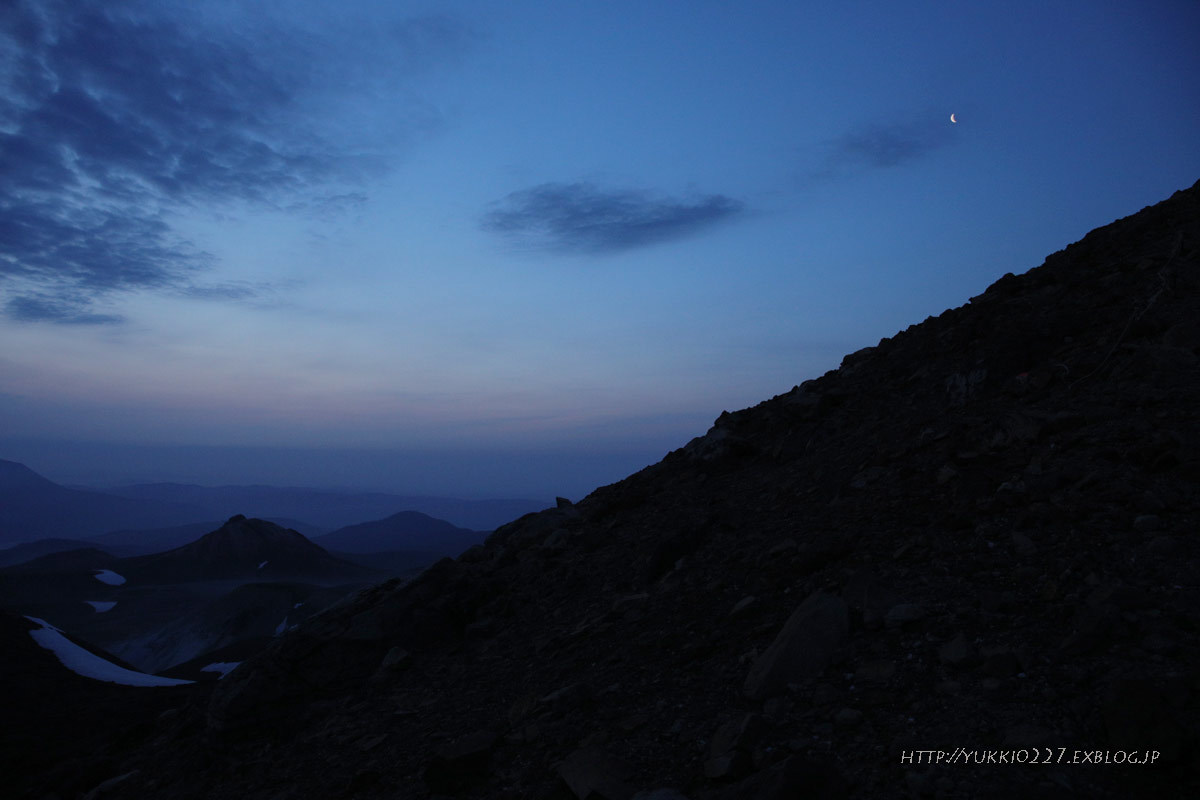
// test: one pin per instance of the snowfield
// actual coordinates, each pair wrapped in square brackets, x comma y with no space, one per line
[223,667]
[90,665]
[109,577]
[101,605]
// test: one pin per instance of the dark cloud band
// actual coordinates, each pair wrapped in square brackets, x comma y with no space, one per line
[882,146]
[583,218]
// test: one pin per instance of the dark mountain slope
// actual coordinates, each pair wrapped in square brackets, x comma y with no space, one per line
[62,727]
[250,614]
[979,534]
[152,540]
[394,563]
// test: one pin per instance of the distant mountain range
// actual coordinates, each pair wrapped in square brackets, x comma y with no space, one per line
[56,586]
[408,530]
[34,508]
[326,509]
[244,581]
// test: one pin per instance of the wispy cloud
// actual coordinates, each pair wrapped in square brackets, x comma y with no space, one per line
[882,146]
[113,117]
[582,218]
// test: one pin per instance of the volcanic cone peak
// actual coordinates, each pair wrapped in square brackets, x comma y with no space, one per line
[244,549]
[246,539]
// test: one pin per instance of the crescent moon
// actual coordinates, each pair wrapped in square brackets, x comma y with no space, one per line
[952,119]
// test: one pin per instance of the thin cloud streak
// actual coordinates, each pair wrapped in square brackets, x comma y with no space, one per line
[579,217]
[877,146]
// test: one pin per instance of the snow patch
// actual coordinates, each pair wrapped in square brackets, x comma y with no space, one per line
[297,605]
[109,577]
[281,627]
[90,665]
[263,564]
[101,605]
[223,667]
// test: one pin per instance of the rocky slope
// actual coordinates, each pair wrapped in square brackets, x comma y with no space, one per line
[978,534]
[250,614]
[62,729]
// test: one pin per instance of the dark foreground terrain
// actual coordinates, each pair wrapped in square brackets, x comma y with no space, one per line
[979,534]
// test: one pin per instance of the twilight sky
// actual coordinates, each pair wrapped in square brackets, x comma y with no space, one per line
[525,247]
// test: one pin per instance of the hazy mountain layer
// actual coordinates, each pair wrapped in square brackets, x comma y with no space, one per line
[324,508]
[32,508]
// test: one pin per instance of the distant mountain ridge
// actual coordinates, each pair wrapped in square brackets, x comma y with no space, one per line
[22,553]
[407,530]
[14,475]
[33,507]
[328,509]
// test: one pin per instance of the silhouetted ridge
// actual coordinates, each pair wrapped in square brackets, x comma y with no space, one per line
[18,476]
[242,549]
[979,533]
[32,508]
[82,558]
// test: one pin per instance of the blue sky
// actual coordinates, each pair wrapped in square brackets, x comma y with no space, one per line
[536,244]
